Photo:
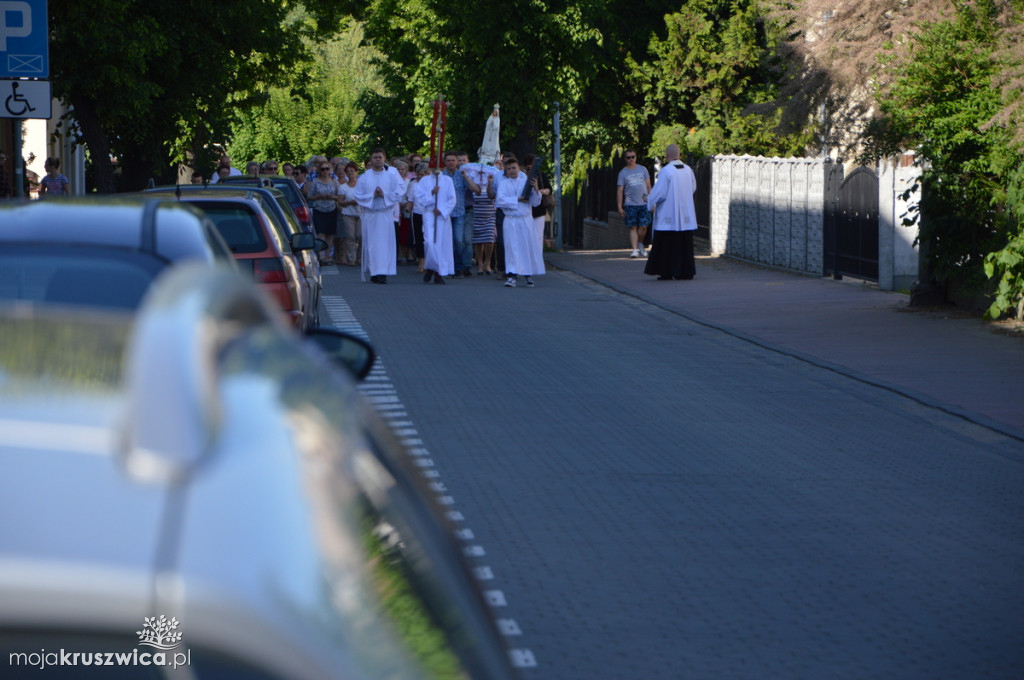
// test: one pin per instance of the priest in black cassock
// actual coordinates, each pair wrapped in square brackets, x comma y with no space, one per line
[675,220]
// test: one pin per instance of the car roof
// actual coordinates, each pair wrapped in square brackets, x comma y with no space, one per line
[261,201]
[279,182]
[165,228]
[193,188]
[272,200]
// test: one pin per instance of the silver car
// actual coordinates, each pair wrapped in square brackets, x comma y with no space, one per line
[195,492]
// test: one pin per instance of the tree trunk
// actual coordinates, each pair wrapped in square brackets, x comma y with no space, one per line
[525,140]
[96,141]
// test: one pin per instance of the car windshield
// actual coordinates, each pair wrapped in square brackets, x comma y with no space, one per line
[95,277]
[239,227]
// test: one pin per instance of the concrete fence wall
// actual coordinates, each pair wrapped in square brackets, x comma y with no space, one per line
[769,210]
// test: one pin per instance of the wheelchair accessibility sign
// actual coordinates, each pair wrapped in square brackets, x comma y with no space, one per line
[25,99]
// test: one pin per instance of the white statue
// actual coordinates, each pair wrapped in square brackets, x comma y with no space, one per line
[490,150]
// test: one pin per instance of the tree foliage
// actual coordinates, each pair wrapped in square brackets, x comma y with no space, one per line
[942,105]
[713,76]
[522,54]
[152,82]
[318,110]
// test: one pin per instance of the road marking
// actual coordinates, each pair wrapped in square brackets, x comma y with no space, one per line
[379,391]
[495,598]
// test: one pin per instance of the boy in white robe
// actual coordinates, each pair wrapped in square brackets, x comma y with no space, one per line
[523,252]
[436,193]
[378,191]
[675,220]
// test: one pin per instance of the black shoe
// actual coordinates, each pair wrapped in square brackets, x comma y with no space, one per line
[427,275]
[438,279]
[383,279]
[684,278]
[664,278]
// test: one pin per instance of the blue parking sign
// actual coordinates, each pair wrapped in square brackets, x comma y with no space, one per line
[24,41]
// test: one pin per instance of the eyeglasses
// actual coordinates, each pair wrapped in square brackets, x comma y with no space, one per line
[271,167]
[629,158]
[326,168]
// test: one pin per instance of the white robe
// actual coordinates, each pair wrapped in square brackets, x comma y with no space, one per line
[379,251]
[671,199]
[523,252]
[437,229]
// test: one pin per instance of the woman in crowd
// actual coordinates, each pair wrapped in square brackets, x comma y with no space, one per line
[405,241]
[299,175]
[485,231]
[350,216]
[323,197]
[540,212]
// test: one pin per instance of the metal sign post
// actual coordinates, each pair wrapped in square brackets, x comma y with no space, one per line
[557,217]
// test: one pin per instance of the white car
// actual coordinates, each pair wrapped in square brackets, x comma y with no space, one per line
[195,491]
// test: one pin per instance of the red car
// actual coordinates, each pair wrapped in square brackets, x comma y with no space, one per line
[261,246]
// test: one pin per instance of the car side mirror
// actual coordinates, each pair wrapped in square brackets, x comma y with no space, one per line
[303,241]
[354,354]
[321,245]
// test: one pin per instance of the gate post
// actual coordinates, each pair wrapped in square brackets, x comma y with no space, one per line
[833,178]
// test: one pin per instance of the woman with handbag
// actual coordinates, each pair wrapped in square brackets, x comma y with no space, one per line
[547,199]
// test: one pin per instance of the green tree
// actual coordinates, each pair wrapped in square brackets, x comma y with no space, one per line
[152,82]
[522,54]
[706,80]
[318,111]
[942,105]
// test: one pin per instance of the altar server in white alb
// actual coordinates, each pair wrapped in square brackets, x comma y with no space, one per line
[523,251]
[675,220]
[436,194]
[378,191]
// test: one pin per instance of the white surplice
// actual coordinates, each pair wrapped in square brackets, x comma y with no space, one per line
[378,223]
[671,199]
[437,229]
[524,254]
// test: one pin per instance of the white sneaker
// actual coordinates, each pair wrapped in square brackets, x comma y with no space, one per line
[635,253]
[643,251]
[510,282]
[529,282]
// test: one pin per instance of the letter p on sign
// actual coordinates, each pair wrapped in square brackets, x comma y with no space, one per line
[11,24]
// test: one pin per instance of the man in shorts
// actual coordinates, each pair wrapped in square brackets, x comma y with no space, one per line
[634,185]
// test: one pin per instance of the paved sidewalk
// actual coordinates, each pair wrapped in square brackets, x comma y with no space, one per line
[941,358]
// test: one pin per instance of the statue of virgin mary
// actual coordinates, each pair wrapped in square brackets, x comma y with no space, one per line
[490,150]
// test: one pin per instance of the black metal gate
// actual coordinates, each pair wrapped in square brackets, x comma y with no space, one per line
[851,223]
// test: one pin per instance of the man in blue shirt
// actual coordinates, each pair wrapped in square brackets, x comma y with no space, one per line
[462,243]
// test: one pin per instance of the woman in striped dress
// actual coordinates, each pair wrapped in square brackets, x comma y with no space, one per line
[485,231]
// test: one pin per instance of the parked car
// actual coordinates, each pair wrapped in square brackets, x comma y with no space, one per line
[99,252]
[195,486]
[285,185]
[279,212]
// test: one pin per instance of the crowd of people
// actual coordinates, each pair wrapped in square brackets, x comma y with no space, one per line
[447,221]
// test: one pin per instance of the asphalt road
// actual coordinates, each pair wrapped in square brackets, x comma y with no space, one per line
[646,497]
